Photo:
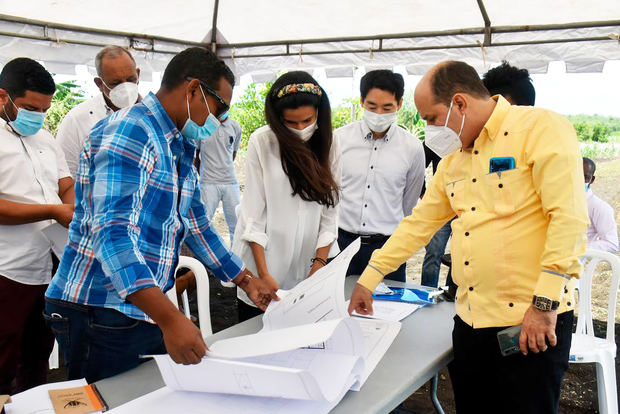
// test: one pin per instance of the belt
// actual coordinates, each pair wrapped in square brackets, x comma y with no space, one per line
[365,238]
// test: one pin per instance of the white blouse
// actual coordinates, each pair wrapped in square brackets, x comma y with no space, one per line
[289,228]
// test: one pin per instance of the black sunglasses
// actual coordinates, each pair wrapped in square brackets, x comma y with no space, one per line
[224,107]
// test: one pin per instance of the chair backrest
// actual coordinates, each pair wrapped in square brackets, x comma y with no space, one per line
[592,259]
[202,293]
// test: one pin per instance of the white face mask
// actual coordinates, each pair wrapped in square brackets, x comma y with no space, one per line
[306,133]
[379,122]
[124,94]
[442,140]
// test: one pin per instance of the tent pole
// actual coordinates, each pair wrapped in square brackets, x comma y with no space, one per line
[214,27]
[487,23]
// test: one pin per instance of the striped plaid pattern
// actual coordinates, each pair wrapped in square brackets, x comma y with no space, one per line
[137,199]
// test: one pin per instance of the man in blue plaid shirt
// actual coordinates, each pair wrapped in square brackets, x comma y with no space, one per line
[137,200]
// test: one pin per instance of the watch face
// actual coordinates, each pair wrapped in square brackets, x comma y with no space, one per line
[545,304]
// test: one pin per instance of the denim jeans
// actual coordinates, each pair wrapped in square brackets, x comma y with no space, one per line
[97,342]
[229,195]
[432,258]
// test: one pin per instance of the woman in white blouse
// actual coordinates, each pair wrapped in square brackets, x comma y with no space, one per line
[289,215]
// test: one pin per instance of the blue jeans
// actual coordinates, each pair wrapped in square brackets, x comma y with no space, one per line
[432,258]
[97,342]
[229,195]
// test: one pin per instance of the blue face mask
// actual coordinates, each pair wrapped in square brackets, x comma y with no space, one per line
[192,130]
[224,116]
[587,187]
[27,122]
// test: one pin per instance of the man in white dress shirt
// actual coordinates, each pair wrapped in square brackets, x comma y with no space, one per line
[117,79]
[602,232]
[35,191]
[382,170]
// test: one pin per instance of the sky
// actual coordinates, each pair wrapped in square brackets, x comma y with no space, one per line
[565,93]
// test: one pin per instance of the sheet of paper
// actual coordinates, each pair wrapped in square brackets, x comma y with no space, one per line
[281,340]
[37,400]
[317,298]
[58,236]
[301,374]
[390,311]
[378,336]
[166,401]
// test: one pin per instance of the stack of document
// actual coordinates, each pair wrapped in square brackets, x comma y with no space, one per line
[304,360]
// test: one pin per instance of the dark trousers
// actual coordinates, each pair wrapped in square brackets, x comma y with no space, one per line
[484,381]
[246,311]
[25,341]
[97,342]
[361,259]
[432,258]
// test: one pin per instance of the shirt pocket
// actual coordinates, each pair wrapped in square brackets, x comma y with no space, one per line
[455,190]
[508,189]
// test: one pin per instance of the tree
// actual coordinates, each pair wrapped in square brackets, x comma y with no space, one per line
[249,111]
[409,117]
[68,94]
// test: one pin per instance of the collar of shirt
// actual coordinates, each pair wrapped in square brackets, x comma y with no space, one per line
[368,134]
[493,125]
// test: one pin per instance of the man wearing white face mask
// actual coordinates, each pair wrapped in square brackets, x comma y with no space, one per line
[513,177]
[117,79]
[382,170]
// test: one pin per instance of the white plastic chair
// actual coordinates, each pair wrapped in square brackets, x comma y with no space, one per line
[202,293]
[588,348]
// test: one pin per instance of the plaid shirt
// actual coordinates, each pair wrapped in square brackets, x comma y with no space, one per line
[137,199]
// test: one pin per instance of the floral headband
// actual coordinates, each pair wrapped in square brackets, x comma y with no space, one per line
[299,88]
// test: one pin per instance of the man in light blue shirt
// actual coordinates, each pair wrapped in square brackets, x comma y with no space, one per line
[218,180]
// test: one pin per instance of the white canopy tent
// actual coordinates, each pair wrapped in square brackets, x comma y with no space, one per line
[261,37]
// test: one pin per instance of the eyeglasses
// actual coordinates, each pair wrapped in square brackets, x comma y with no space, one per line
[224,107]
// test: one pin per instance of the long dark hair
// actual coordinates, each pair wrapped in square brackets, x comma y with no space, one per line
[305,163]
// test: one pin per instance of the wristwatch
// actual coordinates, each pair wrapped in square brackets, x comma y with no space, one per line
[545,304]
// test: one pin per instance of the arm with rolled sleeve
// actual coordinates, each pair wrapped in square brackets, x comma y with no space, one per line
[413,232]
[253,206]
[415,180]
[557,174]
[70,143]
[328,227]
[121,170]
[204,241]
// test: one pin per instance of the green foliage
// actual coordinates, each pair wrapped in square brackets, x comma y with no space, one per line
[341,114]
[595,127]
[249,111]
[68,94]
[409,117]
[600,150]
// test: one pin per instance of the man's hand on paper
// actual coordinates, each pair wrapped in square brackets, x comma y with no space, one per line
[63,213]
[361,300]
[183,340]
[537,326]
[260,291]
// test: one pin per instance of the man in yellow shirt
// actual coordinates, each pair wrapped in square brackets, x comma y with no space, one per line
[513,177]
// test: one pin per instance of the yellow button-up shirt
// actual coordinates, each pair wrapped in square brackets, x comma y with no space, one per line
[518,233]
